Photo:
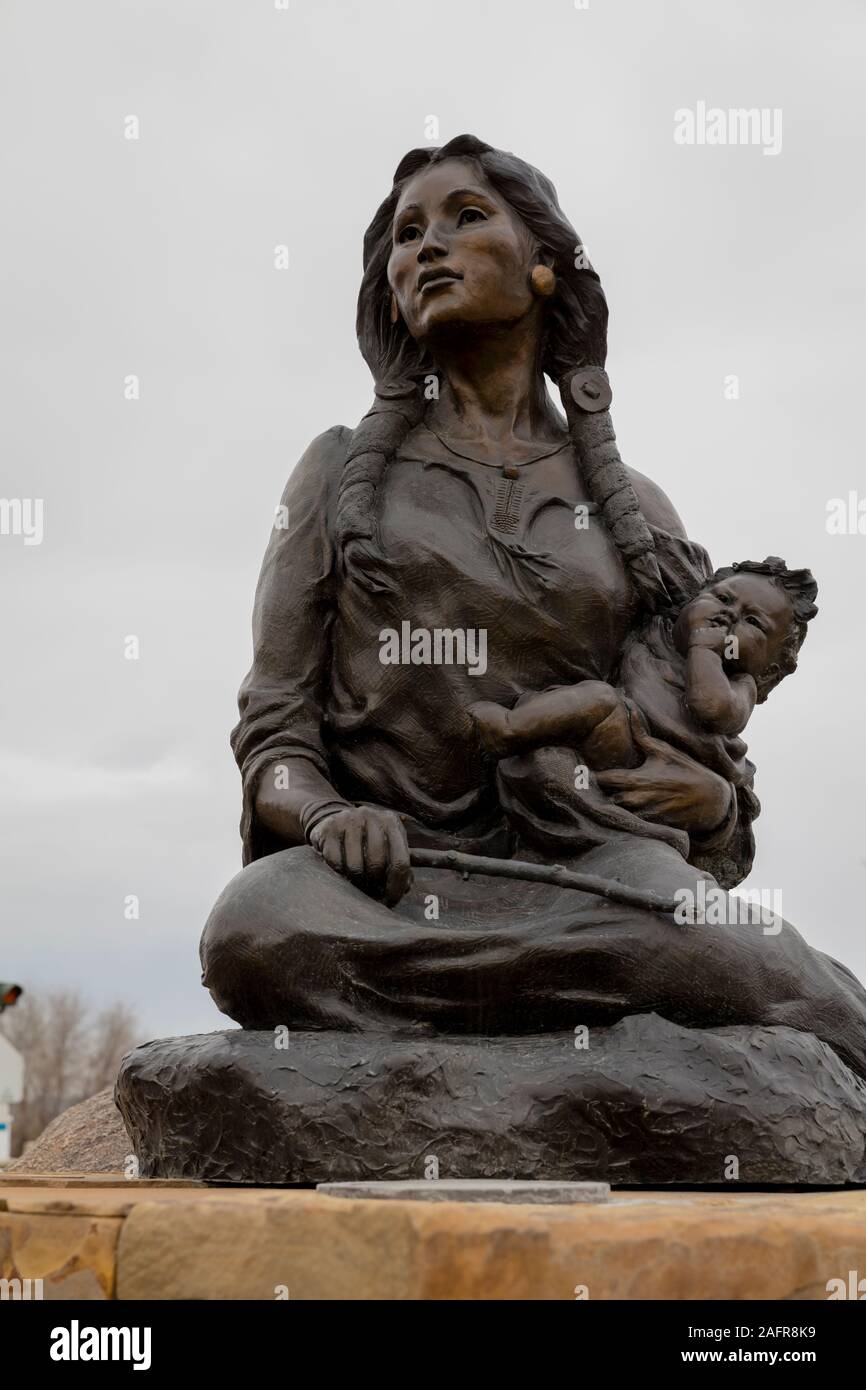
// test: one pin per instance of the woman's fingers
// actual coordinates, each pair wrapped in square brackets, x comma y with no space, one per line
[399,870]
[642,736]
[353,848]
[369,847]
[376,851]
[620,779]
[646,803]
[633,800]
[330,846]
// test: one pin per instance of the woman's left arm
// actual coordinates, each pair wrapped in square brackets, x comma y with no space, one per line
[671,788]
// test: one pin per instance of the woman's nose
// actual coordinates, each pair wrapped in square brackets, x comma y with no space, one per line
[434,245]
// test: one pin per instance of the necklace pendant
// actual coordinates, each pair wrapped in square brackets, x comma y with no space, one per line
[510,472]
[507,503]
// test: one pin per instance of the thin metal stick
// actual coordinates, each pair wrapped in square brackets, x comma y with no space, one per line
[542,873]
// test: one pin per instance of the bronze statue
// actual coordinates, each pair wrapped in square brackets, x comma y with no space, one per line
[478,632]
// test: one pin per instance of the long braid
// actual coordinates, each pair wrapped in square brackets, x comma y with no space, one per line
[585,396]
[398,408]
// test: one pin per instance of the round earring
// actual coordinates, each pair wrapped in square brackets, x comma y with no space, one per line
[543,281]
[395,312]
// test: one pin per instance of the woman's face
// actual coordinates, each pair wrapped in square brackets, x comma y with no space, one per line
[460,255]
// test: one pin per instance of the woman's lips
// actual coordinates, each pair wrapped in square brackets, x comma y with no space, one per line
[433,281]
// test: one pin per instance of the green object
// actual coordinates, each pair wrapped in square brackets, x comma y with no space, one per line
[9,994]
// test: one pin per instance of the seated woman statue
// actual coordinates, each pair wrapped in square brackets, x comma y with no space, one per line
[469,545]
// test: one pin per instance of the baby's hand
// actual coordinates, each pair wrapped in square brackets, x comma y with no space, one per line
[713,638]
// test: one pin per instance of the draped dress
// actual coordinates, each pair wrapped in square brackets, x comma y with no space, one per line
[469,550]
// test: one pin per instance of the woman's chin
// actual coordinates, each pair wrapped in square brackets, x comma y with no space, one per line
[454,319]
[442,314]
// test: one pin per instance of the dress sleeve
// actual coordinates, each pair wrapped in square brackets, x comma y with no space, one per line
[282,699]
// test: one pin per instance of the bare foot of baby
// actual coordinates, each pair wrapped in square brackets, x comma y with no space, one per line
[494,727]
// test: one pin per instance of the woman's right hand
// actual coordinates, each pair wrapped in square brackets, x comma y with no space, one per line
[368,846]
[668,786]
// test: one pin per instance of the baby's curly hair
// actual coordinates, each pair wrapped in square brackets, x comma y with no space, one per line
[802,590]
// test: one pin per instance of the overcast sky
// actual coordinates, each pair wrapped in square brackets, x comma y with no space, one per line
[155,257]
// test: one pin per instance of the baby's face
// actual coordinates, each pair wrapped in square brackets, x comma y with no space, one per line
[750,607]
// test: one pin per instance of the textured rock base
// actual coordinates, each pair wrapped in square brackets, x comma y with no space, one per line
[647,1103]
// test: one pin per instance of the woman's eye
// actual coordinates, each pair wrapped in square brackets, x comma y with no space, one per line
[470,215]
[756,622]
[409,233]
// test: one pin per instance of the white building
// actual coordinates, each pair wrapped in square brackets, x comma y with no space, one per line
[11,1090]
